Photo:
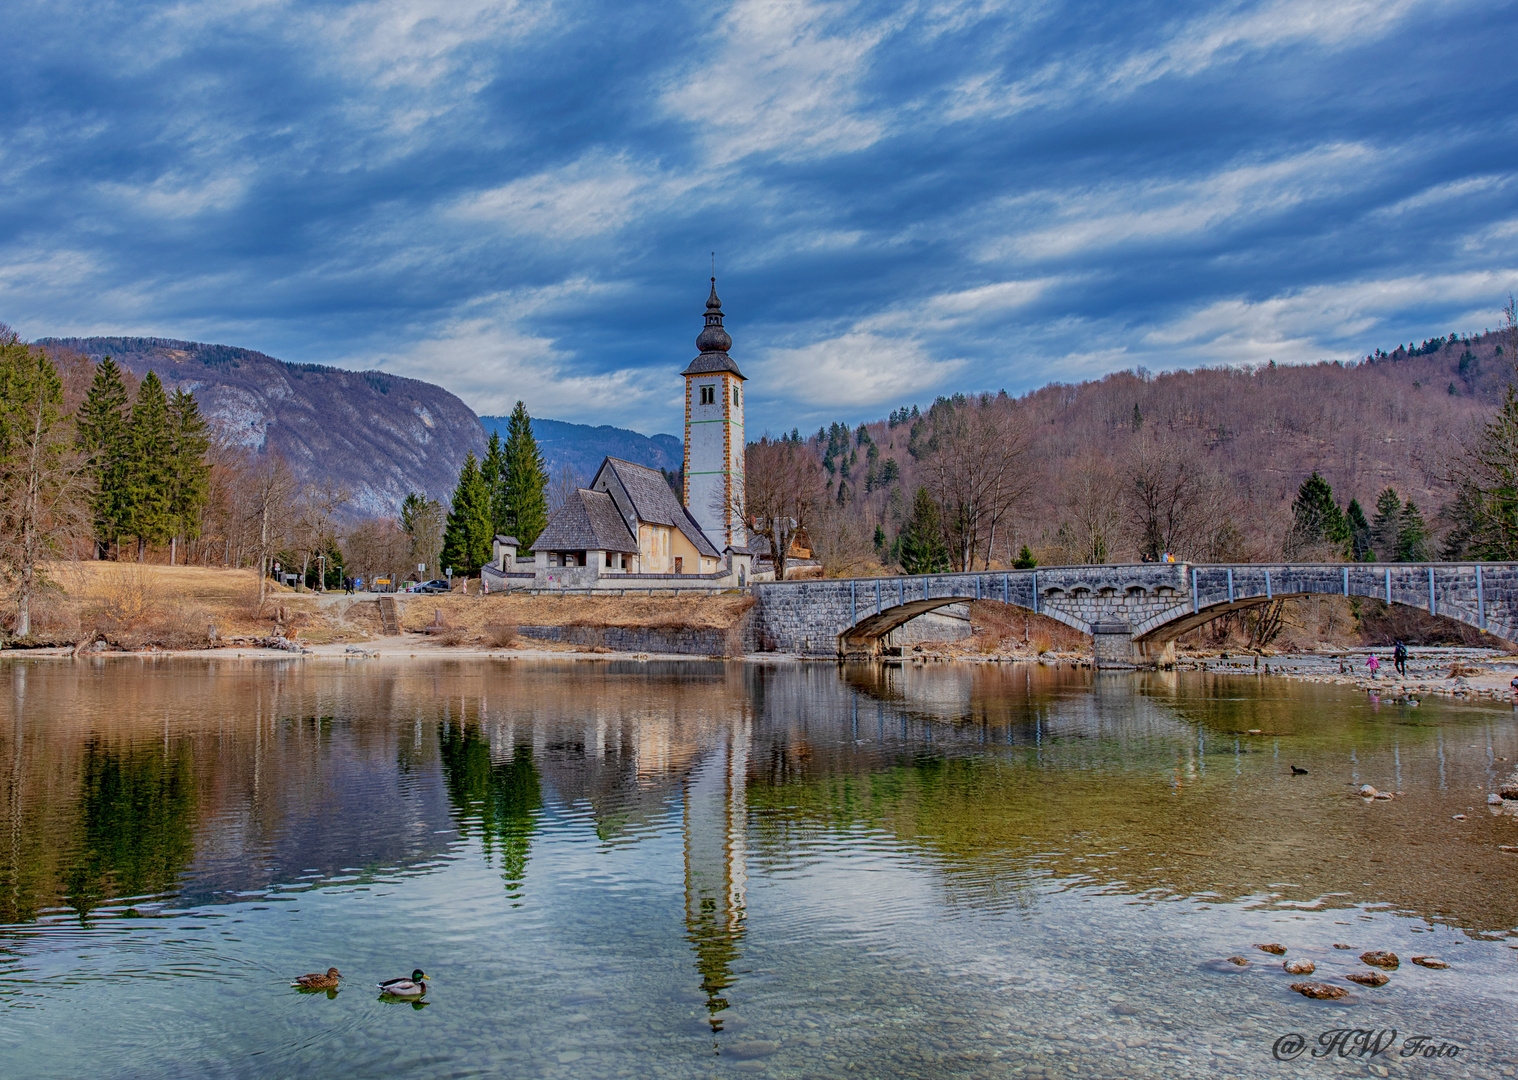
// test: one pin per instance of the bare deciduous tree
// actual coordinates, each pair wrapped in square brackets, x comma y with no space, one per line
[782,487]
[270,486]
[43,477]
[975,471]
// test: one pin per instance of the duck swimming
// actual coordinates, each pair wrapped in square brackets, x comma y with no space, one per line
[318,981]
[415,986]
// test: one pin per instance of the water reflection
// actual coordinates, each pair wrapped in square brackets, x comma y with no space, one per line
[497,791]
[136,823]
[637,815]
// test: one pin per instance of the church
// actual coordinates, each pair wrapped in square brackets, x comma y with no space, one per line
[629,528]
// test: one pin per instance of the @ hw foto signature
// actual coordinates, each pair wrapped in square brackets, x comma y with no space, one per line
[1362,1043]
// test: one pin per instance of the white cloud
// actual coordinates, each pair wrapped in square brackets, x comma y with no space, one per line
[1309,324]
[782,80]
[1122,213]
[596,194]
[854,370]
[1189,48]
[485,357]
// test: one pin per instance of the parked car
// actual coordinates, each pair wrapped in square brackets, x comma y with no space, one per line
[436,585]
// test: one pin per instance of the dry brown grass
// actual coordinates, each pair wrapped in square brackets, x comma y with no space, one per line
[476,616]
[502,635]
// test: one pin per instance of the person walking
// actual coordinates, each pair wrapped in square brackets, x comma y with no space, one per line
[1399,658]
[1373,663]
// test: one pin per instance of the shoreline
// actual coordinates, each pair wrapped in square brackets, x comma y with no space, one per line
[1446,671]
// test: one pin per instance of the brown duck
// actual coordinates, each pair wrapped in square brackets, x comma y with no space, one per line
[318,981]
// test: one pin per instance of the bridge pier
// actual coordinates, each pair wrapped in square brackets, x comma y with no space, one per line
[1114,646]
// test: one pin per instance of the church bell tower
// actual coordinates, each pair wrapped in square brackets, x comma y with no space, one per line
[714,434]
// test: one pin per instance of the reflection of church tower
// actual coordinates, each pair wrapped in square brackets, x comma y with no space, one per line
[714,433]
[716,867]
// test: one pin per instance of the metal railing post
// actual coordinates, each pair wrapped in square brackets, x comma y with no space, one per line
[1480,600]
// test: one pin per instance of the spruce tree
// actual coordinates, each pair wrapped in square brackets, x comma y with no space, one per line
[102,426]
[1412,535]
[1318,527]
[1359,533]
[1025,559]
[923,550]
[525,489]
[149,458]
[1386,525]
[189,474]
[493,470]
[466,539]
[1485,510]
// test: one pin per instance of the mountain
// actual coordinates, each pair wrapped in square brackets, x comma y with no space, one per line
[582,447]
[376,434]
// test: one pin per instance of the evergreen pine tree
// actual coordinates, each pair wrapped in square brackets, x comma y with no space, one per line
[525,490]
[1318,527]
[493,470]
[1025,559]
[146,483]
[1412,535]
[189,474]
[101,426]
[1385,526]
[1359,533]
[923,550]
[466,539]
[1485,510]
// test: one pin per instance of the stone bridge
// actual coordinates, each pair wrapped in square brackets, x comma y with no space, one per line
[1133,613]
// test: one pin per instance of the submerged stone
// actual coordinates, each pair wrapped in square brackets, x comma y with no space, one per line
[1273,948]
[1369,978]
[1320,991]
[1299,967]
[1431,962]
[1381,959]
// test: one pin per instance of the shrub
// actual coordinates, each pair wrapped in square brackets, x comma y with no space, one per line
[502,635]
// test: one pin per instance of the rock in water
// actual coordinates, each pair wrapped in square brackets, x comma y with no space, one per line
[1273,948]
[1367,792]
[1431,962]
[1508,790]
[1319,991]
[1381,959]
[1241,961]
[1494,800]
[747,1051]
[1369,978]
[1338,946]
[1300,967]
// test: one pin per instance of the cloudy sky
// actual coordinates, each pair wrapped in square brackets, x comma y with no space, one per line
[519,199]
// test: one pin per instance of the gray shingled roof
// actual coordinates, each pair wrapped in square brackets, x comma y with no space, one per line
[655,503]
[709,362]
[588,521]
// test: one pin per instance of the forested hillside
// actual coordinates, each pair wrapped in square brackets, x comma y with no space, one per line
[1204,463]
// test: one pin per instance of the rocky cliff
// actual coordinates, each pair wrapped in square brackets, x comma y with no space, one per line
[378,435]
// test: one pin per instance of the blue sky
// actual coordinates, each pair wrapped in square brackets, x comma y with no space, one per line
[519,199]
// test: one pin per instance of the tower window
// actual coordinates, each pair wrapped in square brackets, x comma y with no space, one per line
[735,395]
[708,395]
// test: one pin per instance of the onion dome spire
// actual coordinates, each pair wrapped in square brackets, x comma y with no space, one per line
[713,338]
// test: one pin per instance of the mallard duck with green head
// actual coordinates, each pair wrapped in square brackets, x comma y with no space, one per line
[415,986]
[318,981]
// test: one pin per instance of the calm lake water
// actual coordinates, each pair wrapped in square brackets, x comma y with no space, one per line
[704,869]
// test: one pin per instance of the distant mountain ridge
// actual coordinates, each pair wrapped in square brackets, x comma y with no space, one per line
[379,435]
[582,446]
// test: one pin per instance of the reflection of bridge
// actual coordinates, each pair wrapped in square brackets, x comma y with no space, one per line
[1134,613]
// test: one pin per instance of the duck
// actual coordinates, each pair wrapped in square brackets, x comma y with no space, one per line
[1298,772]
[415,986]
[318,981]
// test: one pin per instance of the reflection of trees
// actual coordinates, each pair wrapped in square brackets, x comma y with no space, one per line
[500,796]
[717,938]
[136,823]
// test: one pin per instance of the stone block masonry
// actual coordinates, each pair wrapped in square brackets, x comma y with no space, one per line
[1133,612]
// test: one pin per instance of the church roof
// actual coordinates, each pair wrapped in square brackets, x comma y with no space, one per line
[588,521]
[651,500]
[713,341]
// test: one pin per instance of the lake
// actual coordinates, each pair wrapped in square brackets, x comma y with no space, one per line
[704,869]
